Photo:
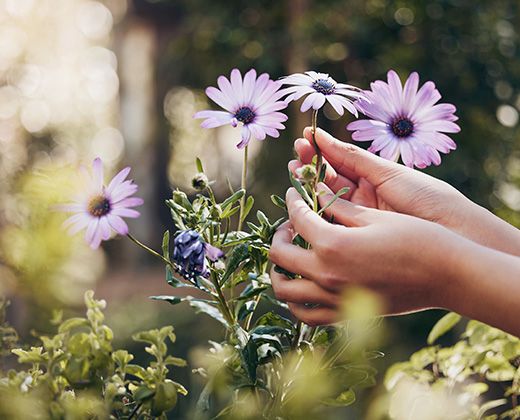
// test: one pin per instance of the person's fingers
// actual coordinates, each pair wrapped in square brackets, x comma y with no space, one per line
[335,181]
[345,212]
[306,222]
[319,315]
[288,256]
[301,291]
[304,150]
[354,162]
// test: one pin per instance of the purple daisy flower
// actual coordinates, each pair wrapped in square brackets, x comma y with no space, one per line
[99,209]
[321,87]
[254,102]
[190,253]
[406,122]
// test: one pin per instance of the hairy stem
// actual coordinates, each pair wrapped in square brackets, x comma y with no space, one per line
[243,185]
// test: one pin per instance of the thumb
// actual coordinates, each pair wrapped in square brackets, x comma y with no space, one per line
[344,211]
[354,162]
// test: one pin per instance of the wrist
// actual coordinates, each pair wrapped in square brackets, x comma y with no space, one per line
[484,228]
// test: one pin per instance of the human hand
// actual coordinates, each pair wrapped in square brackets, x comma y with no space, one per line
[402,258]
[381,184]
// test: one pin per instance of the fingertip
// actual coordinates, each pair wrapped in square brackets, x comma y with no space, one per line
[293,165]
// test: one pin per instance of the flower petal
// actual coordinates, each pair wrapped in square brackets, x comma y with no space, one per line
[97,173]
[118,179]
[118,224]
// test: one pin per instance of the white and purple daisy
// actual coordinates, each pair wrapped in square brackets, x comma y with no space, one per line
[253,102]
[100,209]
[406,121]
[321,88]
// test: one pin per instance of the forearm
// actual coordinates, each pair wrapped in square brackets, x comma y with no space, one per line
[485,228]
[485,285]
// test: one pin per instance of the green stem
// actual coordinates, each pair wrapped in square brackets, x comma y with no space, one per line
[243,185]
[319,160]
[223,302]
[150,250]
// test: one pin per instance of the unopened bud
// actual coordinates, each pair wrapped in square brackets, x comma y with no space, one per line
[306,172]
[200,181]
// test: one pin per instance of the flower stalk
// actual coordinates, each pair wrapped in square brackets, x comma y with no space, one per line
[243,185]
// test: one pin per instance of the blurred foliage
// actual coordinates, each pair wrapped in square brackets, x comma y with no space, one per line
[476,378]
[77,374]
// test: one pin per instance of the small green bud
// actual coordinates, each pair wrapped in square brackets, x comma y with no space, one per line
[200,182]
[306,172]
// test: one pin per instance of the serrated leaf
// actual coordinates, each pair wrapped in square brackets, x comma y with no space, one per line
[443,325]
[166,245]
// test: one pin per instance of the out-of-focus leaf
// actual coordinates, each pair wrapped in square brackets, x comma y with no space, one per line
[166,245]
[198,162]
[443,325]
[342,400]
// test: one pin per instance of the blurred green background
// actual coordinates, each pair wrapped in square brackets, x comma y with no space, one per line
[121,79]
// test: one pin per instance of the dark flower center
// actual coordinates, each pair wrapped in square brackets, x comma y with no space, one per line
[245,115]
[324,86]
[99,206]
[402,127]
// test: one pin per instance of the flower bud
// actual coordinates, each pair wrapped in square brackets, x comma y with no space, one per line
[306,172]
[200,181]
[190,253]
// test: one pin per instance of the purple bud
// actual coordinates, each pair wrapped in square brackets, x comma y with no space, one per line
[189,255]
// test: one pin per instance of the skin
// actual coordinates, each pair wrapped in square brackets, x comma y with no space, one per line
[412,239]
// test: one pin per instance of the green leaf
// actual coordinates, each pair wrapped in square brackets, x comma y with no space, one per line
[247,208]
[166,245]
[323,171]
[299,187]
[174,300]
[198,162]
[489,406]
[73,323]
[443,325]
[250,359]
[278,202]
[175,361]
[262,218]
[143,393]
[342,400]
[233,198]
[342,191]
[204,307]
[239,254]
